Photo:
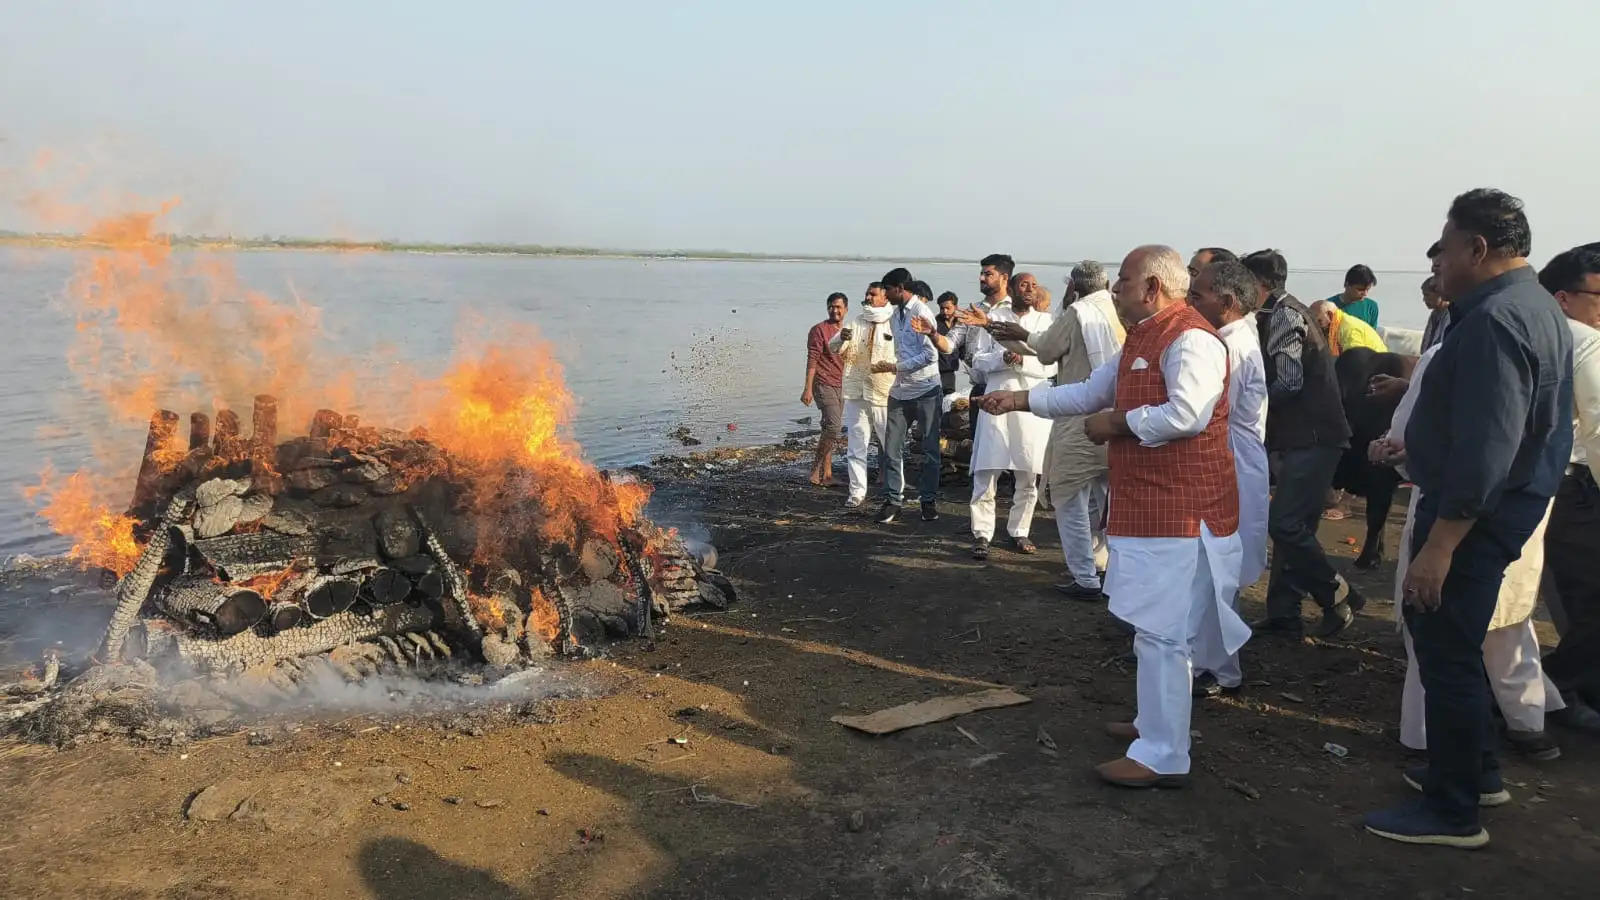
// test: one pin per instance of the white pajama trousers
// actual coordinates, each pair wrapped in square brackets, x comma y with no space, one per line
[1165,682]
[1521,690]
[1208,653]
[862,420]
[1024,497]
[1082,543]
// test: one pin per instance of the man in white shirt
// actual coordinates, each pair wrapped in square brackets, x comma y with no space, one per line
[1014,441]
[860,344]
[1226,294]
[1572,541]
[1083,337]
[914,397]
[1174,500]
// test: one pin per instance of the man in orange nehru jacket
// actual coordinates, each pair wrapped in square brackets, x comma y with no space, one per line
[1173,500]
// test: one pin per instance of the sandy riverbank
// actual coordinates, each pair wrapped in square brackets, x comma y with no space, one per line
[768,798]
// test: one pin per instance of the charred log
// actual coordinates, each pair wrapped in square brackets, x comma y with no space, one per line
[457,613]
[199,431]
[324,422]
[264,444]
[284,616]
[240,556]
[386,586]
[135,586]
[158,446]
[204,602]
[225,437]
[250,649]
[330,596]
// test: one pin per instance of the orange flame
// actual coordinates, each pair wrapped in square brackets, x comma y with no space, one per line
[100,537]
[160,329]
[543,619]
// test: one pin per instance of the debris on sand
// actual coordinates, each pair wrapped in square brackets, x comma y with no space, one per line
[924,712]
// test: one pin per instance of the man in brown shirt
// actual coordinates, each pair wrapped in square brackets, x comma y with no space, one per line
[824,384]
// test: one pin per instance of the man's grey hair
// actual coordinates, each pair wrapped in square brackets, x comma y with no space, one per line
[1087,277]
[1164,263]
[1232,278]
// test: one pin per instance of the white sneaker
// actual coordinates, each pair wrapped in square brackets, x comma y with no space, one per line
[854,502]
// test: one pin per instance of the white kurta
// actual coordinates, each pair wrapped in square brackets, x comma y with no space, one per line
[1015,441]
[1149,579]
[1247,436]
[1170,589]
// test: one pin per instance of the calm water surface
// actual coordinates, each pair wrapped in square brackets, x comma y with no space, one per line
[647,344]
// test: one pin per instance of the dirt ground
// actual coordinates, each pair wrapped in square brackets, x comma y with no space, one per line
[766,797]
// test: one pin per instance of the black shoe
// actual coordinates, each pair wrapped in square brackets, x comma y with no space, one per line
[1578,716]
[1206,687]
[1075,591]
[930,512]
[980,549]
[1335,619]
[1491,792]
[887,513]
[1416,824]
[1290,628]
[1533,744]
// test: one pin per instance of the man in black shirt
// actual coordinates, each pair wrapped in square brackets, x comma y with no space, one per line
[1487,445]
[1306,435]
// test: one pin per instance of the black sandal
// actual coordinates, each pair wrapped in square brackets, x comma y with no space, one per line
[980,549]
[1024,545]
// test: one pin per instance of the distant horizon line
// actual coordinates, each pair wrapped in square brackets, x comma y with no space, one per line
[489,248]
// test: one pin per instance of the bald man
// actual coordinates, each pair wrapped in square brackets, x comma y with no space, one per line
[1161,404]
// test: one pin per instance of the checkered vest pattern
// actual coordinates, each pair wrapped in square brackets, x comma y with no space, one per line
[1166,491]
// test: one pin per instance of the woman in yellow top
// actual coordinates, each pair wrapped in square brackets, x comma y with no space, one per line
[1345,331]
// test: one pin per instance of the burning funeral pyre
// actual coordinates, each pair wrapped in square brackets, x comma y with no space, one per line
[356,550]
[479,539]
[376,544]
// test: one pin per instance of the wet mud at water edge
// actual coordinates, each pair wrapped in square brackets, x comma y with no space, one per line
[708,766]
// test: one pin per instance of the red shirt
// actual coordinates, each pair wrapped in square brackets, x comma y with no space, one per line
[830,368]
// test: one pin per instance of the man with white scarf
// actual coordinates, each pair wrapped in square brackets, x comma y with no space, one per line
[862,344]
[1015,441]
[1174,500]
[1085,334]
[1227,295]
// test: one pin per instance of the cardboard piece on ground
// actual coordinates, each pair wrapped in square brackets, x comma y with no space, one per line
[924,712]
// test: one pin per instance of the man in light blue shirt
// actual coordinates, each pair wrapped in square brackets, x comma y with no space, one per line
[915,396]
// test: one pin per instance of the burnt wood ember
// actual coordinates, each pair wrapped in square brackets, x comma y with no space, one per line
[249,649]
[366,540]
[204,602]
[225,441]
[134,589]
[157,444]
[285,616]
[199,431]
[386,586]
[330,595]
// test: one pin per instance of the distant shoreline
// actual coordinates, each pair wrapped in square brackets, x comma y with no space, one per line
[326,245]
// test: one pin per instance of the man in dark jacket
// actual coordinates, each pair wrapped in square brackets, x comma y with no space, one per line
[1306,434]
[1487,446]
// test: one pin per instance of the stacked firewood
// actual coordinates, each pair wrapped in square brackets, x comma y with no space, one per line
[263,553]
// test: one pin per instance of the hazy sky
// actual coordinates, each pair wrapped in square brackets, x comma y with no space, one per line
[1337,131]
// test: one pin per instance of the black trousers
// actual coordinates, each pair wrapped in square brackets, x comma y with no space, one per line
[1449,645]
[1299,566]
[1572,557]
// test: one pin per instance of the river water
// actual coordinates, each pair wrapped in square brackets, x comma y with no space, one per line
[648,344]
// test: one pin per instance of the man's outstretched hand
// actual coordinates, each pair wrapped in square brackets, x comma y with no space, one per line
[999,403]
[1008,331]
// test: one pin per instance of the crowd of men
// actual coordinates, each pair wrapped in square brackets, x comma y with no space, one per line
[1186,416]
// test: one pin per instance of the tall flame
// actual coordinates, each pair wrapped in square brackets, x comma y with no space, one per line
[100,537]
[163,329]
